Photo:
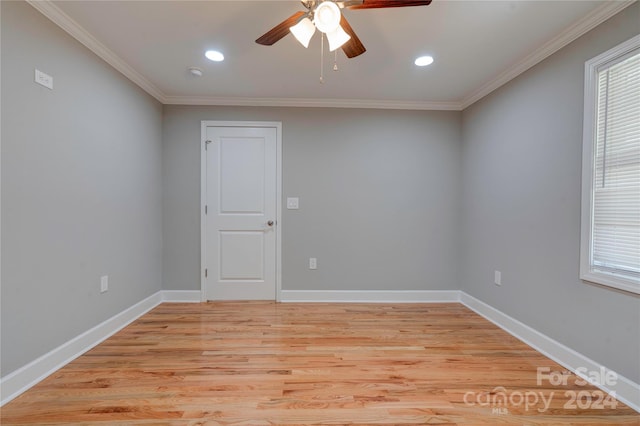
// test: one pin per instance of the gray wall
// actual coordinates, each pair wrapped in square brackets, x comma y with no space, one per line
[379,196]
[389,199]
[81,189]
[522,158]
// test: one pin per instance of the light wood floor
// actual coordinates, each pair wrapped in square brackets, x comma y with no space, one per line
[259,363]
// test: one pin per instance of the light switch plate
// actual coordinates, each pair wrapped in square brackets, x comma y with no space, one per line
[44,79]
[293,203]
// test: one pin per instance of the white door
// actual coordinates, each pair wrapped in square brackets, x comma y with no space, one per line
[241,200]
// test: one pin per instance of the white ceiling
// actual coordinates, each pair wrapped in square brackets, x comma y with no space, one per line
[477,46]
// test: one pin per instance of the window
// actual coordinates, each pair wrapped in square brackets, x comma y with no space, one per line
[610,244]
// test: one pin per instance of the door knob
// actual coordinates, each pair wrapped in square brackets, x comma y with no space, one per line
[270,223]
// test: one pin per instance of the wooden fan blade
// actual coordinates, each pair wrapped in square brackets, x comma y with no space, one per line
[379,4]
[354,46]
[280,30]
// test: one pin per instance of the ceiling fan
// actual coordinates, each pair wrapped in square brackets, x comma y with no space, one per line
[325,16]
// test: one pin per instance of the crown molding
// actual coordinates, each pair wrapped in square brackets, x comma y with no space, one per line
[592,20]
[312,103]
[595,18]
[64,21]
[61,19]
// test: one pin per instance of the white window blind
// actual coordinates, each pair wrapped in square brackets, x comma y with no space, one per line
[616,199]
[614,234]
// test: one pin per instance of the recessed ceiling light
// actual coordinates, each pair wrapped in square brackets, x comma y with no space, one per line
[423,61]
[214,55]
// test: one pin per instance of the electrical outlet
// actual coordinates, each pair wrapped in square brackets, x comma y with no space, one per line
[497,277]
[44,79]
[104,283]
[313,263]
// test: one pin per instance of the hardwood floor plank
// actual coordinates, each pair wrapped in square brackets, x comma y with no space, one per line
[254,363]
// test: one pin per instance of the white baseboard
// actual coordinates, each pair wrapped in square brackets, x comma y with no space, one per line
[25,377]
[371,296]
[175,296]
[625,390]
[22,379]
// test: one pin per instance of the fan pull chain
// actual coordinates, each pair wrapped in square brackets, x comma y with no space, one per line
[322,60]
[335,61]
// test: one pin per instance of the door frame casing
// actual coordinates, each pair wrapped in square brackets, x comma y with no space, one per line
[203,196]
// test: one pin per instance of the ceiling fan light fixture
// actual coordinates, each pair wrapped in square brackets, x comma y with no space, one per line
[303,31]
[337,38]
[326,17]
